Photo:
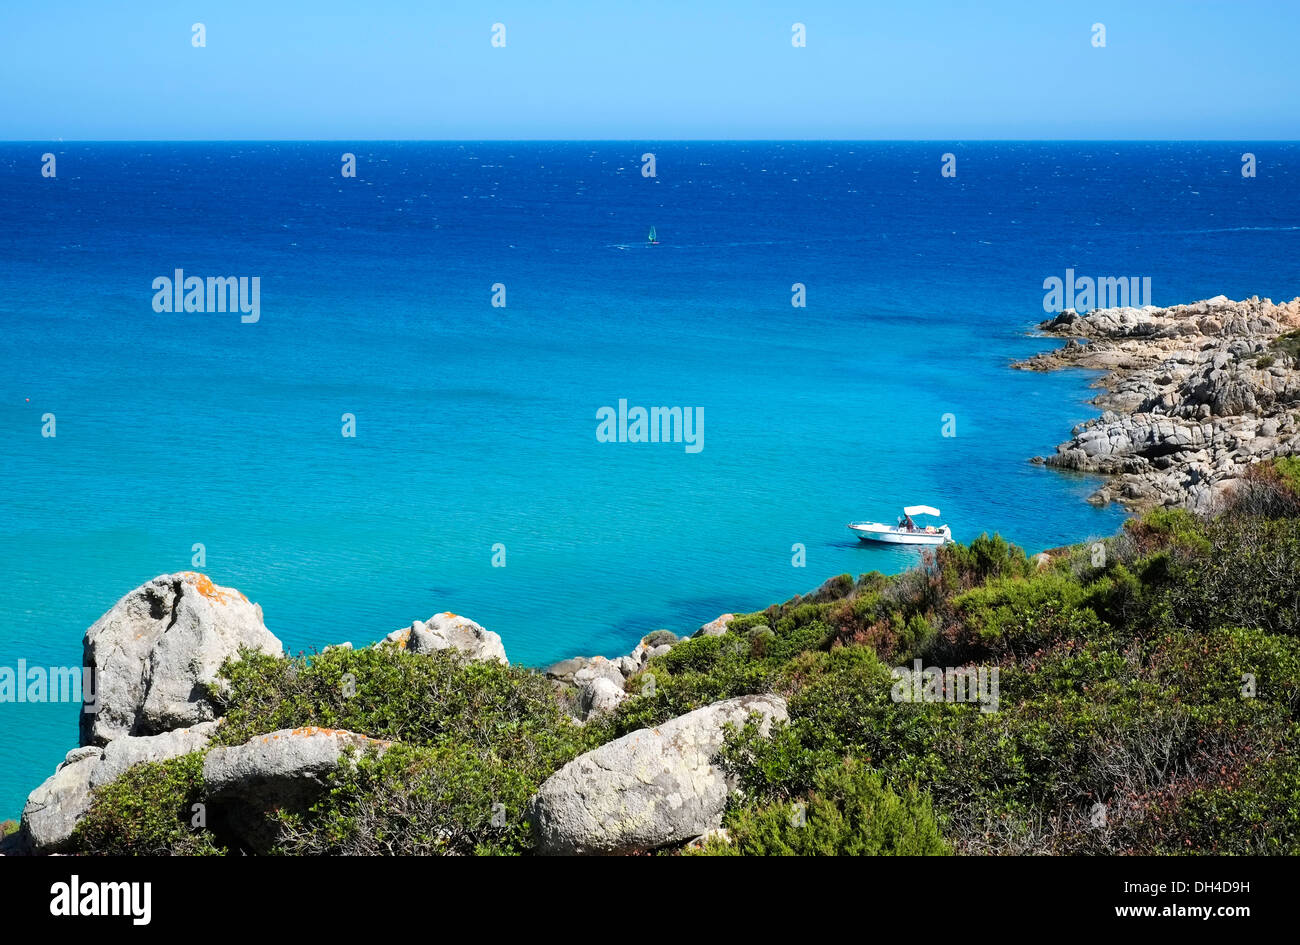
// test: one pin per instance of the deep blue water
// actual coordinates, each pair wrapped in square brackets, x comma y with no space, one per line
[476,425]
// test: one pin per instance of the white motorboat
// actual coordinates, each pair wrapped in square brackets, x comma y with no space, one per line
[906,532]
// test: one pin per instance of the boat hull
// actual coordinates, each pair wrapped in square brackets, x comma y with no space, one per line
[885,534]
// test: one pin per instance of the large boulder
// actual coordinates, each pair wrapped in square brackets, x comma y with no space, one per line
[580,670]
[155,655]
[715,628]
[53,809]
[122,753]
[598,667]
[599,696]
[565,670]
[286,770]
[281,767]
[648,789]
[450,631]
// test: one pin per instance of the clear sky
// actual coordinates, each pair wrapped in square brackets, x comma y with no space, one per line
[647,70]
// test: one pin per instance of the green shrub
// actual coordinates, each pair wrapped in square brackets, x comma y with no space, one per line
[693,674]
[917,634]
[1229,664]
[1170,529]
[846,697]
[1247,806]
[834,588]
[1022,614]
[148,811]
[872,582]
[849,812]
[1288,469]
[1249,575]
[1117,597]
[423,700]
[985,558]
[1288,344]
[411,801]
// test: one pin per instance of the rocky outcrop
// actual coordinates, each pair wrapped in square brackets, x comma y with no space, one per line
[450,631]
[156,653]
[154,658]
[599,696]
[283,770]
[598,667]
[1193,396]
[648,789]
[715,628]
[596,684]
[580,670]
[53,809]
[156,696]
[122,753]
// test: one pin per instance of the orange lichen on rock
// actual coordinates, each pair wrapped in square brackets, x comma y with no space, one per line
[310,730]
[203,584]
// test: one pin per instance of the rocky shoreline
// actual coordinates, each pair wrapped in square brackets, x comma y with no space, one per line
[1193,396]
[155,658]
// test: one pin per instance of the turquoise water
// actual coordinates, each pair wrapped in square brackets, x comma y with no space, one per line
[476,425]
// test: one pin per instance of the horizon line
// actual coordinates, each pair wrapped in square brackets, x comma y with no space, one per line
[953,140]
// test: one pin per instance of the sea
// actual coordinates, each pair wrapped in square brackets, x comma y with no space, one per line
[841,318]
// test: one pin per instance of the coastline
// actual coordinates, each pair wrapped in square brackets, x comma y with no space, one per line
[198,704]
[1192,397]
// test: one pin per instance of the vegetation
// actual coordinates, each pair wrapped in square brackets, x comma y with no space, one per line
[418,801]
[848,812]
[1288,344]
[1139,694]
[149,811]
[1287,469]
[475,740]
[432,701]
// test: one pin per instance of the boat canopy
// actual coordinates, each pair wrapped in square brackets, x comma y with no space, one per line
[920,510]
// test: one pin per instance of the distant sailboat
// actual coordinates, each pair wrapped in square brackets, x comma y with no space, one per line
[652,237]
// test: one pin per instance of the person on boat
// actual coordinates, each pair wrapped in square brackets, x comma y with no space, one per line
[908,523]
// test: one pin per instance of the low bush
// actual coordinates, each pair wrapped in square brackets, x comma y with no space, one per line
[412,801]
[427,700]
[849,811]
[1288,344]
[149,811]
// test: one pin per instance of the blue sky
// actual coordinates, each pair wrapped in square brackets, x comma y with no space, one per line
[613,69]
